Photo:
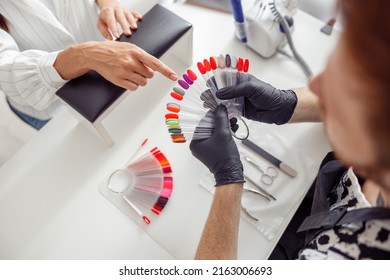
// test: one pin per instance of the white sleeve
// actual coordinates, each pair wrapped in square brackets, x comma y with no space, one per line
[29,77]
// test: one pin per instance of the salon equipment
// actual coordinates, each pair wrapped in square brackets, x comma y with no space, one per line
[281,165]
[190,111]
[328,27]
[239,19]
[245,188]
[261,189]
[245,210]
[144,185]
[249,214]
[269,214]
[268,28]
[268,174]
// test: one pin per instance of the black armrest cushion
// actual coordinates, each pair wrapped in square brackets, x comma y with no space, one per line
[91,94]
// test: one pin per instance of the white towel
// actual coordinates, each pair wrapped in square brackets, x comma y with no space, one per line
[273,216]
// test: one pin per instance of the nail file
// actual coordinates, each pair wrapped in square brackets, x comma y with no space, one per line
[281,165]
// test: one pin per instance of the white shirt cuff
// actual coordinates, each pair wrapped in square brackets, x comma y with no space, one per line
[47,71]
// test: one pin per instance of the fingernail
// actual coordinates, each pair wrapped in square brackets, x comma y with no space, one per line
[173,77]
[117,34]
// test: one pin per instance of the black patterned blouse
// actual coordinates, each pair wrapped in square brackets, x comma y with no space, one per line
[363,240]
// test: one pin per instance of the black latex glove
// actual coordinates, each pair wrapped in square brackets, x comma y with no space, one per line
[262,102]
[219,152]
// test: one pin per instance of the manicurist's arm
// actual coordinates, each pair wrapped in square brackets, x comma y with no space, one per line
[220,155]
[220,234]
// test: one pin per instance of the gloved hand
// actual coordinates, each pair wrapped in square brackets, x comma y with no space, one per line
[219,152]
[262,102]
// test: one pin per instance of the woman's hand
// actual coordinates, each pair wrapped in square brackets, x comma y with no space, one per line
[111,13]
[123,64]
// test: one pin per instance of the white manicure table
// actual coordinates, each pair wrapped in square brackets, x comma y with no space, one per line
[50,204]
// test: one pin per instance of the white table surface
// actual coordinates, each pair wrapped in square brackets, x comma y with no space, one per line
[50,205]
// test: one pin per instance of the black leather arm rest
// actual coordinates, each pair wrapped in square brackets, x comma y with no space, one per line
[91,94]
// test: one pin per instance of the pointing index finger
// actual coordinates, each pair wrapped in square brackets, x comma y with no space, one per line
[157,65]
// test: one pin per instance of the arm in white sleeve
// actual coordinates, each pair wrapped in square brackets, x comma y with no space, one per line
[28,78]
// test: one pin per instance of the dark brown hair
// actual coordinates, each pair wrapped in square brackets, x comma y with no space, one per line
[3,23]
[367,35]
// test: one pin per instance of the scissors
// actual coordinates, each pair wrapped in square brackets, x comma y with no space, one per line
[268,175]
